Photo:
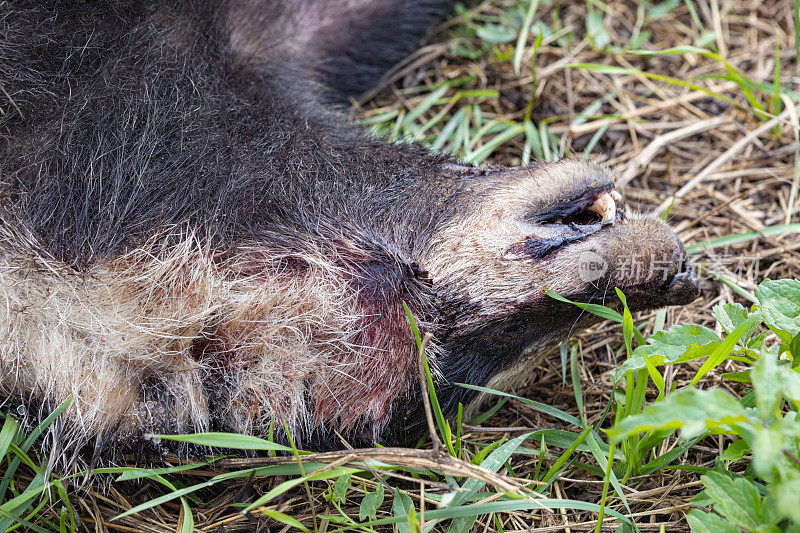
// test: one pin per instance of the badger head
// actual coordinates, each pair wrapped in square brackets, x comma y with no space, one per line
[512,236]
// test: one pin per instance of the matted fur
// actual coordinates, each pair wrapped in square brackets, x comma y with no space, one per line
[147,341]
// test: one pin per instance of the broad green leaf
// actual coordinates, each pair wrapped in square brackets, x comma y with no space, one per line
[791,383]
[774,380]
[794,349]
[780,302]
[680,343]
[413,521]
[730,315]
[494,33]
[370,504]
[701,499]
[771,441]
[767,381]
[693,411]
[703,522]
[785,495]
[735,450]
[340,488]
[402,506]
[738,500]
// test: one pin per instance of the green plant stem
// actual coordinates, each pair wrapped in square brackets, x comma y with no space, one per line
[606,481]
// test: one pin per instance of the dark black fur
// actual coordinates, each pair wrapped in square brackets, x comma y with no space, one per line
[120,124]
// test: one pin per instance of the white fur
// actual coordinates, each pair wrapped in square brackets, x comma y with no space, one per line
[122,338]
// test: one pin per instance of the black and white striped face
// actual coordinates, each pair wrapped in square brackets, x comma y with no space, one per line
[553,226]
[521,232]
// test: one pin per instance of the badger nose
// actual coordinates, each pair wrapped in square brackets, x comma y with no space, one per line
[681,286]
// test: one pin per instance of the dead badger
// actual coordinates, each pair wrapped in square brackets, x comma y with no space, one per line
[193,237]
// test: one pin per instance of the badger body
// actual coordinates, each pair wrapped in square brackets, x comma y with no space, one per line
[194,237]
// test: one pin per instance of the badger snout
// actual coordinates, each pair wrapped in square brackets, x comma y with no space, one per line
[648,262]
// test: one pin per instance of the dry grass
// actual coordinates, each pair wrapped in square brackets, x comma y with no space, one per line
[658,137]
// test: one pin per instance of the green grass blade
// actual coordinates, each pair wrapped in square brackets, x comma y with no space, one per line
[722,351]
[479,155]
[138,473]
[596,309]
[576,383]
[523,35]
[610,69]
[291,483]
[493,462]
[483,417]
[227,440]
[26,445]
[449,129]
[663,460]
[562,459]
[602,460]
[7,434]
[285,519]
[544,408]
[423,106]
[747,295]
[502,506]
[738,238]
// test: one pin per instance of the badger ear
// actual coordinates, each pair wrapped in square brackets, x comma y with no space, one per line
[347,44]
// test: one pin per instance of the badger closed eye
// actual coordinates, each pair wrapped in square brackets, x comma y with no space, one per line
[194,237]
[569,222]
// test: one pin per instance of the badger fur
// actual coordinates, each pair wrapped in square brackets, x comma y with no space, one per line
[193,236]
